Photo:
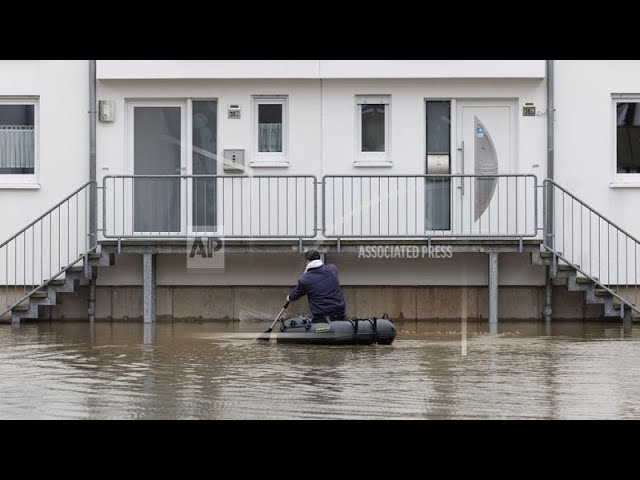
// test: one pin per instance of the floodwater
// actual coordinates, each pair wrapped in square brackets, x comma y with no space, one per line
[444,370]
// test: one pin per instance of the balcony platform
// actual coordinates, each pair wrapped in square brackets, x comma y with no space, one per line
[262,246]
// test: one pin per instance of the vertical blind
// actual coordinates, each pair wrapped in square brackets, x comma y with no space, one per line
[16,146]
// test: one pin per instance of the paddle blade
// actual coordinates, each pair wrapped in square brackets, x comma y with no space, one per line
[265,336]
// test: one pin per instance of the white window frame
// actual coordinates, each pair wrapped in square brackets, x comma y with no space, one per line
[621,180]
[25,180]
[270,159]
[373,159]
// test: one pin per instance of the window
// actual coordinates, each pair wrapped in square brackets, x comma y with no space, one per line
[270,120]
[438,191]
[17,140]
[373,127]
[628,137]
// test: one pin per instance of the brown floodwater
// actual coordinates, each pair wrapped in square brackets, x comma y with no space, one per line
[434,370]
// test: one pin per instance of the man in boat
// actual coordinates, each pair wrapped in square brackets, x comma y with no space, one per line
[321,285]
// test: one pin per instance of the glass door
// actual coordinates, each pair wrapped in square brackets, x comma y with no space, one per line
[203,192]
[158,150]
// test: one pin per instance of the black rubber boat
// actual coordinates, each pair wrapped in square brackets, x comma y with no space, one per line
[353,331]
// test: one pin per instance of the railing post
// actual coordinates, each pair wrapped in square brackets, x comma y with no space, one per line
[548,295]
[548,214]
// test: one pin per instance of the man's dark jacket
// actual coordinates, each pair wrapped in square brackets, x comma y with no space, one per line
[323,289]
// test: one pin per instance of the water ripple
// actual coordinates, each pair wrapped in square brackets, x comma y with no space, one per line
[201,371]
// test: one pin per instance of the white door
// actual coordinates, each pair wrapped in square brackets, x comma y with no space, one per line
[486,135]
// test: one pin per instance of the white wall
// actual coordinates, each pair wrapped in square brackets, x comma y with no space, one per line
[218,69]
[63,92]
[432,68]
[584,129]
[408,143]
[333,102]
[304,112]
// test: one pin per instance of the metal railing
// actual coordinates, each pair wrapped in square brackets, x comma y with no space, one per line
[504,206]
[176,206]
[592,244]
[46,248]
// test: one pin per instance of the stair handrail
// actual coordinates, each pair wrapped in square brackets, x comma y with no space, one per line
[63,266]
[560,252]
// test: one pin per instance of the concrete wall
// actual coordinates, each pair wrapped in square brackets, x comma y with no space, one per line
[283,270]
[222,303]
[61,90]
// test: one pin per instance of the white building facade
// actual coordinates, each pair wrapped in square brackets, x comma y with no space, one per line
[325,154]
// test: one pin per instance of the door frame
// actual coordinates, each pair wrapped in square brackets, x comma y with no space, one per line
[514,164]
[452,154]
[187,169]
[131,104]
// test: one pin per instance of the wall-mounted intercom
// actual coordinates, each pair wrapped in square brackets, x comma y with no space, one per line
[106,110]
[233,160]
[234,111]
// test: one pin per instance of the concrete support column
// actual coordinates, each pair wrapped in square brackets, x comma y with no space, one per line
[91,303]
[91,300]
[626,320]
[493,288]
[149,287]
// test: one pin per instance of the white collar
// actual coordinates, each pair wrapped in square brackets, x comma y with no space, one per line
[313,264]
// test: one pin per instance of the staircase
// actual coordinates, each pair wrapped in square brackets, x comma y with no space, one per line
[594,294]
[47,295]
[49,256]
[590,252]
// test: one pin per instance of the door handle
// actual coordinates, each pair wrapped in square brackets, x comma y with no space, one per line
[461,150]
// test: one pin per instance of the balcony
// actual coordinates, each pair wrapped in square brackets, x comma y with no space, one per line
[337,207]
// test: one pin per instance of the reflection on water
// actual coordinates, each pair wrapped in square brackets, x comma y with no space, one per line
[216,371]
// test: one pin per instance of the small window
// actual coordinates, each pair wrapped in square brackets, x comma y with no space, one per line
[373,127]
[628,137]
[17,140]
[270,120]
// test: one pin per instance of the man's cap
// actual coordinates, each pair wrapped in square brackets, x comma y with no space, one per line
[312,255]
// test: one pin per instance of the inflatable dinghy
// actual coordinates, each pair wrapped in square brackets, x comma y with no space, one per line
[354,331]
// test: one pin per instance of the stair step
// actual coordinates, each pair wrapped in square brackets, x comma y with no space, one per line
[57,281]
[565,267]
[583,280]
[75,269]
[23,307]
[546,254]
[601,292]
[45,301]
[40,294]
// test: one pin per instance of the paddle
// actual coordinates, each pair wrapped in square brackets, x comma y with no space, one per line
[267,334]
